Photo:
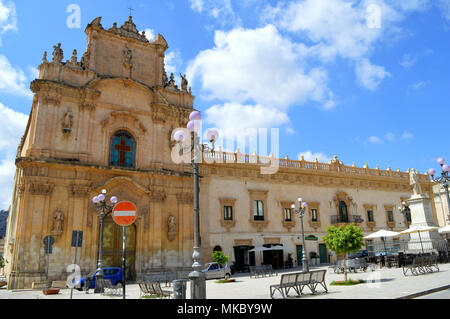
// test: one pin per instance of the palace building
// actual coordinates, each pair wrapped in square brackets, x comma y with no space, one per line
[106,121]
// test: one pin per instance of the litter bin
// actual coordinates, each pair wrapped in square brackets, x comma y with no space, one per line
[179,289]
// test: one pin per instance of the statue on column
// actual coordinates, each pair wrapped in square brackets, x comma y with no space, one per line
[414,180]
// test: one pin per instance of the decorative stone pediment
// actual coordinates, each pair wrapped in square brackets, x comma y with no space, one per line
[124,117]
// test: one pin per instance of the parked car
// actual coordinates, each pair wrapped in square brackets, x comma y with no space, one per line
[113,274]
[358,254]
[215,271]
[389,251]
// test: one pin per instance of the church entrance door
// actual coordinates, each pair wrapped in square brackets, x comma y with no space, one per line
[112,247]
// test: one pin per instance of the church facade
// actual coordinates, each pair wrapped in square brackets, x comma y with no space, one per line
[106,121]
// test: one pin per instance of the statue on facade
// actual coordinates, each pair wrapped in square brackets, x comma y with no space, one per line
[184,83]
[172,224]
[58,54]
[67,122]
[74,59]
[172,81]
[414,180]
[58,219]
[127,57]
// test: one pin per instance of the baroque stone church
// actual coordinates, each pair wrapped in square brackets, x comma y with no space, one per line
[106,121]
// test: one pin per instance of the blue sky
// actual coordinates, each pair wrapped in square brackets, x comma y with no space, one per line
[329,74]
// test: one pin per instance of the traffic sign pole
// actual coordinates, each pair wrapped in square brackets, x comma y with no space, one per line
[124,265]
[124,214]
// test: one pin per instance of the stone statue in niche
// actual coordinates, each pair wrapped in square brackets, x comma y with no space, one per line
[414,181]
[172,224]
[67,123]
[58,54]
[127,57]
[184,83]
[58,219]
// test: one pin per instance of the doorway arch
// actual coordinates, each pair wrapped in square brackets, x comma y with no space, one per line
[113,247]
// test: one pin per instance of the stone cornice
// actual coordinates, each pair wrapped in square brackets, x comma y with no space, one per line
[309,176]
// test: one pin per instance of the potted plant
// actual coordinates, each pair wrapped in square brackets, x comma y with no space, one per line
[313,258]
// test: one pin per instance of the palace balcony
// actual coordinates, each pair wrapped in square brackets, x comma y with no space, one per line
[355,219]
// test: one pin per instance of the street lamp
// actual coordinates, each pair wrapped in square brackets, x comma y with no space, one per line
[197,277]
[406,211]
[102,210]
[444,179]
[301,212]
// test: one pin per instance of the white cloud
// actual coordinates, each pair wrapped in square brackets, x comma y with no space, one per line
[444,6]
[238,116]
[173,61]
[8,18]
[341,28]
[257,66]
[390,137]
[7,172]
[408,61]
[309,156]
[13,80]
[150,34]
[369,75]
[418,85]
[407,136]
[374,140]
[197,5]
[221,10]
[13,128]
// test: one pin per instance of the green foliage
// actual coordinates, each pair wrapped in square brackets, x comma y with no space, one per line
[220,258]
[344,239]
[348,282]
[3,262]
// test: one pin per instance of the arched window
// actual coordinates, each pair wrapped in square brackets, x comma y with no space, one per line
[343,214]
[122,150]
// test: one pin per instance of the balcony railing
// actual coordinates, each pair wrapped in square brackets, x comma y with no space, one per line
[337,219]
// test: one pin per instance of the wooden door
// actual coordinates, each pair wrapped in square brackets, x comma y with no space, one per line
[113,247]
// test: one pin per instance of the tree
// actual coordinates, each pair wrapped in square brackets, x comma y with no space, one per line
[343,240]
[220,258]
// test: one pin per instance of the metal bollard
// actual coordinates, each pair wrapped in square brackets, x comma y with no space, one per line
[179,289]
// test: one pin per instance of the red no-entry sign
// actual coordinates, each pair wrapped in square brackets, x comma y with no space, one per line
[124,213]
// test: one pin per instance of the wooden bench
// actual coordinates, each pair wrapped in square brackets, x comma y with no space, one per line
[298,282]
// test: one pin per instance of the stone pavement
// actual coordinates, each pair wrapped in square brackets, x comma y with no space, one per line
[382,284]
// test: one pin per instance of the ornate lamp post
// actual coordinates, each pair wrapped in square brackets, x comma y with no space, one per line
[301,212]
[197,277]
[404,210]
[102,210]
[444,179]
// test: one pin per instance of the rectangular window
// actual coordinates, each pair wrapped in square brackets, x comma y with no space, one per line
[258,210]
[288,214]
[314,215]
[370,215]
[390,216]
[228,212]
